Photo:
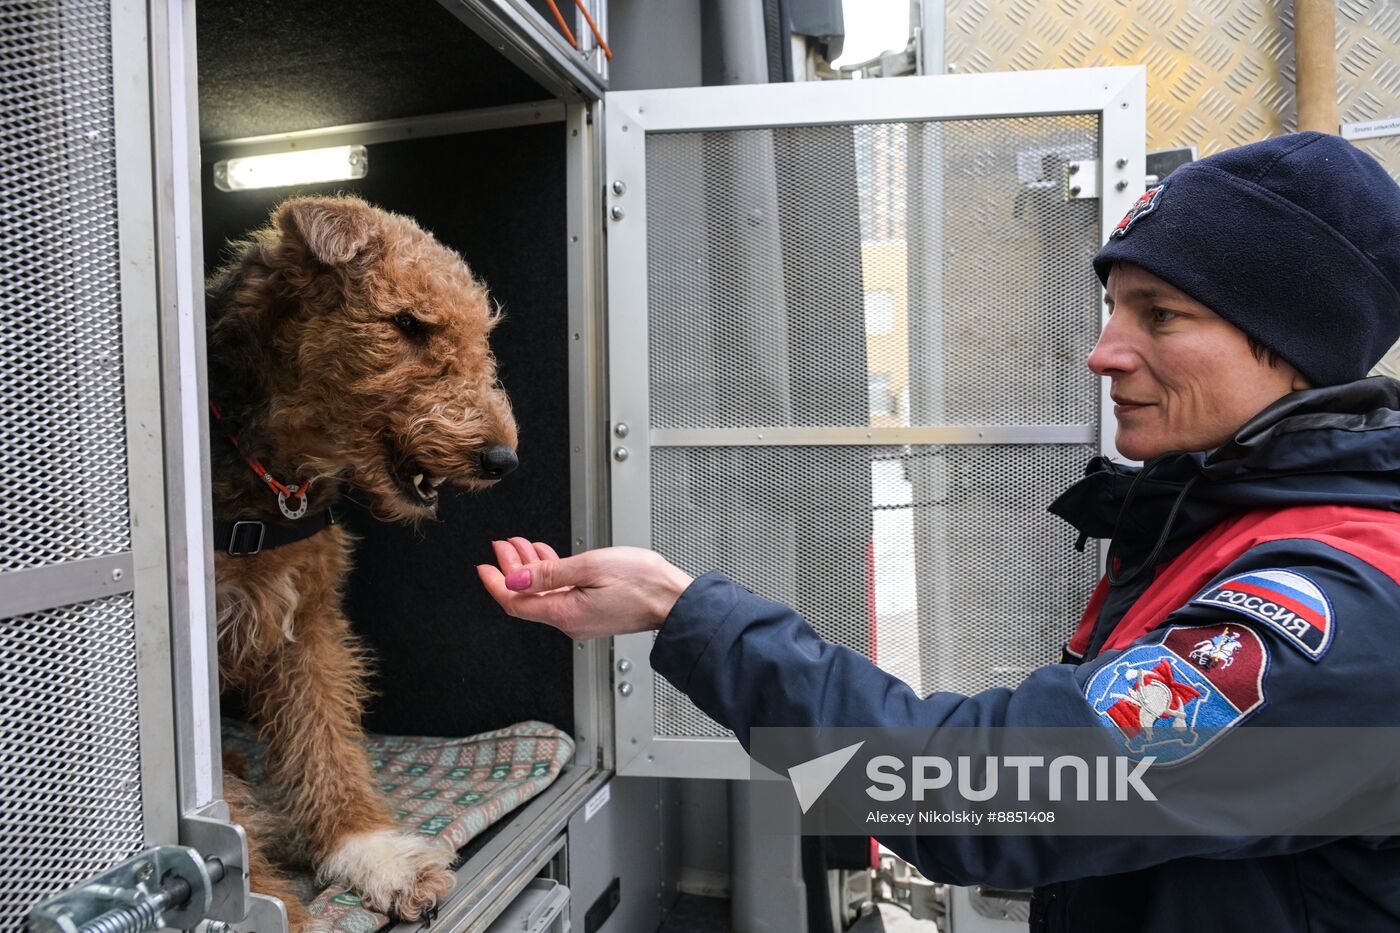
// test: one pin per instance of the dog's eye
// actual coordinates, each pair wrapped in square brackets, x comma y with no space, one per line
[411,326]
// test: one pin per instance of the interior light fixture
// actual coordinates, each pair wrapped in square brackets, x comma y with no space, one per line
[281,169]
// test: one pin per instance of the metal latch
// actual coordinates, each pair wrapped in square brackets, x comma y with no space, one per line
[169,886]
[1081,179]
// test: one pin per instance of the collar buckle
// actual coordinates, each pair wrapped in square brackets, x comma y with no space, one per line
[246,538]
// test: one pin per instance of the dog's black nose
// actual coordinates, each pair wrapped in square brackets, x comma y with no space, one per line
[497,461]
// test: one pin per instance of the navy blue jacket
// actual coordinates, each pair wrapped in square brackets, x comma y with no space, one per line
[748,662]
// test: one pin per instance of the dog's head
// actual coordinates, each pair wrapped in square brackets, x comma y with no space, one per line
[375,338]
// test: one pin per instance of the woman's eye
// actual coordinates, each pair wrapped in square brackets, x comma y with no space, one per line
[410,325]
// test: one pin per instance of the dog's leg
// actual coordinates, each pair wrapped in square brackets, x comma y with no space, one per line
[259,825]
[307,697]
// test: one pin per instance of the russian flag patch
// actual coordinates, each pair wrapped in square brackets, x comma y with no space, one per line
[1287,602]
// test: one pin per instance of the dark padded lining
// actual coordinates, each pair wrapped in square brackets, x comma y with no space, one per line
[450,662]
[276,66]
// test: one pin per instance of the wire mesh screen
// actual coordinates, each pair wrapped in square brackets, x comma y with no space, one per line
[62,428]
[923,273]
[919,273]
[950,575]
[70,791]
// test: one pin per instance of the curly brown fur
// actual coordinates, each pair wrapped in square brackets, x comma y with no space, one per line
[347,348]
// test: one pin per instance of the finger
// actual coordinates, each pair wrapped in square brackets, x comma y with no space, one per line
[495,583]
[545,575]
[550,609]
[526,550]
[506,556]
[545,551]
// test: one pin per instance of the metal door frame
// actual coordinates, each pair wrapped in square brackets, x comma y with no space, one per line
[1116,96]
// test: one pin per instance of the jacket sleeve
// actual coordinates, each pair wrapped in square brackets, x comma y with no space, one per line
[748,662]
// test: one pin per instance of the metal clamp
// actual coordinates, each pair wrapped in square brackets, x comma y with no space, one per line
[169,886]
[208,830]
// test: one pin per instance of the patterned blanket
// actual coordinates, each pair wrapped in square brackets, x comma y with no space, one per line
[449,789]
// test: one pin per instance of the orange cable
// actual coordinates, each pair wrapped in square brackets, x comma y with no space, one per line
[593,26]
[559,18]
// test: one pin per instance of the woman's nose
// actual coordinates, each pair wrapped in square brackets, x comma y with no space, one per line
[1113,354]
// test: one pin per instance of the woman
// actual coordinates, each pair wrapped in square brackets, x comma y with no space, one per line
[1249,295]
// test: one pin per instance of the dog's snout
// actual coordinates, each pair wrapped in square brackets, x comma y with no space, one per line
[498,460]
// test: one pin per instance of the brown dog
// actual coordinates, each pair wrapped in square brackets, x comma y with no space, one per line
[347,348]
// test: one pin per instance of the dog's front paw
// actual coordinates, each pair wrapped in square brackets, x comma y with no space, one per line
[393,872]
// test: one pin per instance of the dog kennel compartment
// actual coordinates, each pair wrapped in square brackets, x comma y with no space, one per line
[476,121]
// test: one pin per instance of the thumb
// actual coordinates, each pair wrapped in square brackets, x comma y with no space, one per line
[545,575]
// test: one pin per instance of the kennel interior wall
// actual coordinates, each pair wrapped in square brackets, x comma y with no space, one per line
[449,662]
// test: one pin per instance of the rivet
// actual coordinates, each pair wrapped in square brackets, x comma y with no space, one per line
[1074,168]
[1121,163]
[117,573]
[1075,190]
[1121,185]
[624,666]
[618,188]
[617,213]
[620,454]
[625,689]
[622,430]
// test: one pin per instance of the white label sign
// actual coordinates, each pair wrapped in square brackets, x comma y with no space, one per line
[1370,129]
[597,802]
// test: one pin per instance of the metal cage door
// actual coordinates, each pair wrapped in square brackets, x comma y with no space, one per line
[87,710]
[848,325]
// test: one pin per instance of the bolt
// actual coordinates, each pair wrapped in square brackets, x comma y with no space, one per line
[1074,192]
[617,213]
[619,188]
[1074,168]
[144,871]
[621,430]
[620,454]
[625,689]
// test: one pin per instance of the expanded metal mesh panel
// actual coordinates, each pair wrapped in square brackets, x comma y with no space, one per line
[70,789]
[62,428]
[918,273]
[940,562]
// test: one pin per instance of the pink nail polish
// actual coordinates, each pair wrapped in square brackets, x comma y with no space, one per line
[520,580]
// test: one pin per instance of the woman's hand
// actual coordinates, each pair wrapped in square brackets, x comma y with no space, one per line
[610,591]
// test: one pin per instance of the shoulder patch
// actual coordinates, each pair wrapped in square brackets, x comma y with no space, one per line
[1172,699]
[1286,601]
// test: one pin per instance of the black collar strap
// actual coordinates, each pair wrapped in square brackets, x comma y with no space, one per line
[249,537]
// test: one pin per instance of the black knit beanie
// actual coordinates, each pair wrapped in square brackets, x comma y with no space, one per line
[1294,240]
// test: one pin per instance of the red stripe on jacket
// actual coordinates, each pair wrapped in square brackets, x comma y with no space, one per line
[1370,535]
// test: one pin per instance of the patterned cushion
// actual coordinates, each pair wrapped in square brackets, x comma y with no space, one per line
[449,789]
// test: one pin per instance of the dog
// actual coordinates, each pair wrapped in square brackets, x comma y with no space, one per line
[347,353]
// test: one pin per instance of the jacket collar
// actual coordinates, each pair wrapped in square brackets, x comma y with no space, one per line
[1334,445]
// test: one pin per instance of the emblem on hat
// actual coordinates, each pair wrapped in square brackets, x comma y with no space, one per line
[1141,208]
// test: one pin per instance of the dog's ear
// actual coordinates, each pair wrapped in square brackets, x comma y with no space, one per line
[334,230]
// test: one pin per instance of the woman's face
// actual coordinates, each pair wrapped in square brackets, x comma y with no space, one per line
[1182,377]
